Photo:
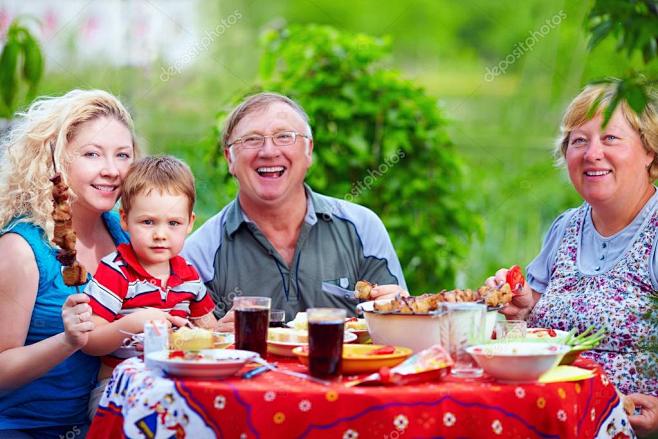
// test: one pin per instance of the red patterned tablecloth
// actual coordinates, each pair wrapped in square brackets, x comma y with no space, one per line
[144,403]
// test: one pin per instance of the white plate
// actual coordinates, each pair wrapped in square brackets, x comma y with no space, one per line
[284,348]
[218,363]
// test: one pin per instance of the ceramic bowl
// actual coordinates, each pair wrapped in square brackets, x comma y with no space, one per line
[517,361]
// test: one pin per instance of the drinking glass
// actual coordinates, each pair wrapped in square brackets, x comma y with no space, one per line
[326,328]
[466,322]
[252,316]
[277,318]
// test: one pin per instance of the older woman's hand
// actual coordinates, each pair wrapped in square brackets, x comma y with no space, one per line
[522,303]
[387,292]
[76,316]
[647,421]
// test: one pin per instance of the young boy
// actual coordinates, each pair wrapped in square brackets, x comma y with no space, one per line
[147,279]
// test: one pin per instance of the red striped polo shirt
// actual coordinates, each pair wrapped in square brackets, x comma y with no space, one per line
[122,286]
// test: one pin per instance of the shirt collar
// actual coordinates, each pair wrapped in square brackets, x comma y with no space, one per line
[315,204]
[180,270]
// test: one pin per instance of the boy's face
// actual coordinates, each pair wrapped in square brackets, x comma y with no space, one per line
[158,224]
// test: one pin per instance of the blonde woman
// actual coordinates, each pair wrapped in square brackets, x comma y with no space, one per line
[599,262]
[45,380]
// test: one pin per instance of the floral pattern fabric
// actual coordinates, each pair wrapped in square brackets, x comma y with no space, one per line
[144,403]
[616,300]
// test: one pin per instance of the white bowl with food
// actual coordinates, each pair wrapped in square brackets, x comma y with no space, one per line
[517,361]
[417,331]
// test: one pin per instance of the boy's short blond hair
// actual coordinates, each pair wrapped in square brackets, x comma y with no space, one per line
[163,173]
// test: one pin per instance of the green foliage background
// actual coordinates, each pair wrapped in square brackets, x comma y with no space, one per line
[381,141]
[499,133]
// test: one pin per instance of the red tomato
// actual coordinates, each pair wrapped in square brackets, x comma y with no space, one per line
[515,279]
[384,350]
[385,374]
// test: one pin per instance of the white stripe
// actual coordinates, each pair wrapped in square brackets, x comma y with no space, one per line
[197,288]
[140,287]
[104,296]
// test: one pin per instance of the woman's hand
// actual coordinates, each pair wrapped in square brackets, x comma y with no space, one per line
[647,422]
[387,292]
[76,315]
[522,302]
[226,323]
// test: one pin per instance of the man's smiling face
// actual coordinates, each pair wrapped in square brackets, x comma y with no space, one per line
[270,174]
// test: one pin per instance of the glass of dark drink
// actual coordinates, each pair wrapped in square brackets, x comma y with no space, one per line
[326,328]
[277,318]
[252,316]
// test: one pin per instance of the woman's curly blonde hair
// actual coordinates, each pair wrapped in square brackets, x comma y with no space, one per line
[25,152]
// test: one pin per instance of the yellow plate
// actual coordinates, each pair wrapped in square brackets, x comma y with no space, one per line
[356,357]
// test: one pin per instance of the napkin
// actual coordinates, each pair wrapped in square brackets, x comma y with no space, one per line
[566,373]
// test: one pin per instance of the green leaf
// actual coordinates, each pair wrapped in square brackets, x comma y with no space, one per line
[9,72]
[637,97]
[614,102]
[33,60]
[599,32]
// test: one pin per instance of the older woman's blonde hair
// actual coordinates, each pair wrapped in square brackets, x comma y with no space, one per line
[25,152]
[578,112]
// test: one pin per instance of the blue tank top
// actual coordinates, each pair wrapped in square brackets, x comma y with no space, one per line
[59,397]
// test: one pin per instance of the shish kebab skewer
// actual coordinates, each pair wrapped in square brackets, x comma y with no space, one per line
[73,273]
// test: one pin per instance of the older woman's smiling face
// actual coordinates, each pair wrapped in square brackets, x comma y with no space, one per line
[608,165]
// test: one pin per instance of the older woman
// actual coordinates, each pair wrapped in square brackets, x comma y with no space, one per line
[598,265]
[45,380]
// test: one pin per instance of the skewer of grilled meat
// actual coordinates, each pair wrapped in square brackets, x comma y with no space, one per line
[431,302]
[73,273]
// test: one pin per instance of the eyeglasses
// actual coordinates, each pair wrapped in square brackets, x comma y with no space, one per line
[255,141]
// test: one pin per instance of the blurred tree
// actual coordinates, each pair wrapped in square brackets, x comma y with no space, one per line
[635,26]
[380,141]
[21,62]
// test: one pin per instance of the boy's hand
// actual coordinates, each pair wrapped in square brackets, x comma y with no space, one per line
[136,320]
[76,316]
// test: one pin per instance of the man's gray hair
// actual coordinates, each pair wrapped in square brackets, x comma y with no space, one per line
[258,102]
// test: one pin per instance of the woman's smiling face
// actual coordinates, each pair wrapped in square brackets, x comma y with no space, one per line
[608,164]
[102,151]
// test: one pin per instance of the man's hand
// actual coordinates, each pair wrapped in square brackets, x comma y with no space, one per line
[226,323]
[76,316]
[647,422]
[387,292]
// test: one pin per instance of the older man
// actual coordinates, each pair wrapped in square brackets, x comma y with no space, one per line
[278,238]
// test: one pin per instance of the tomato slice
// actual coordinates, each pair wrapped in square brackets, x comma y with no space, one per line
[384,350]
[515,279]
[176,354]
